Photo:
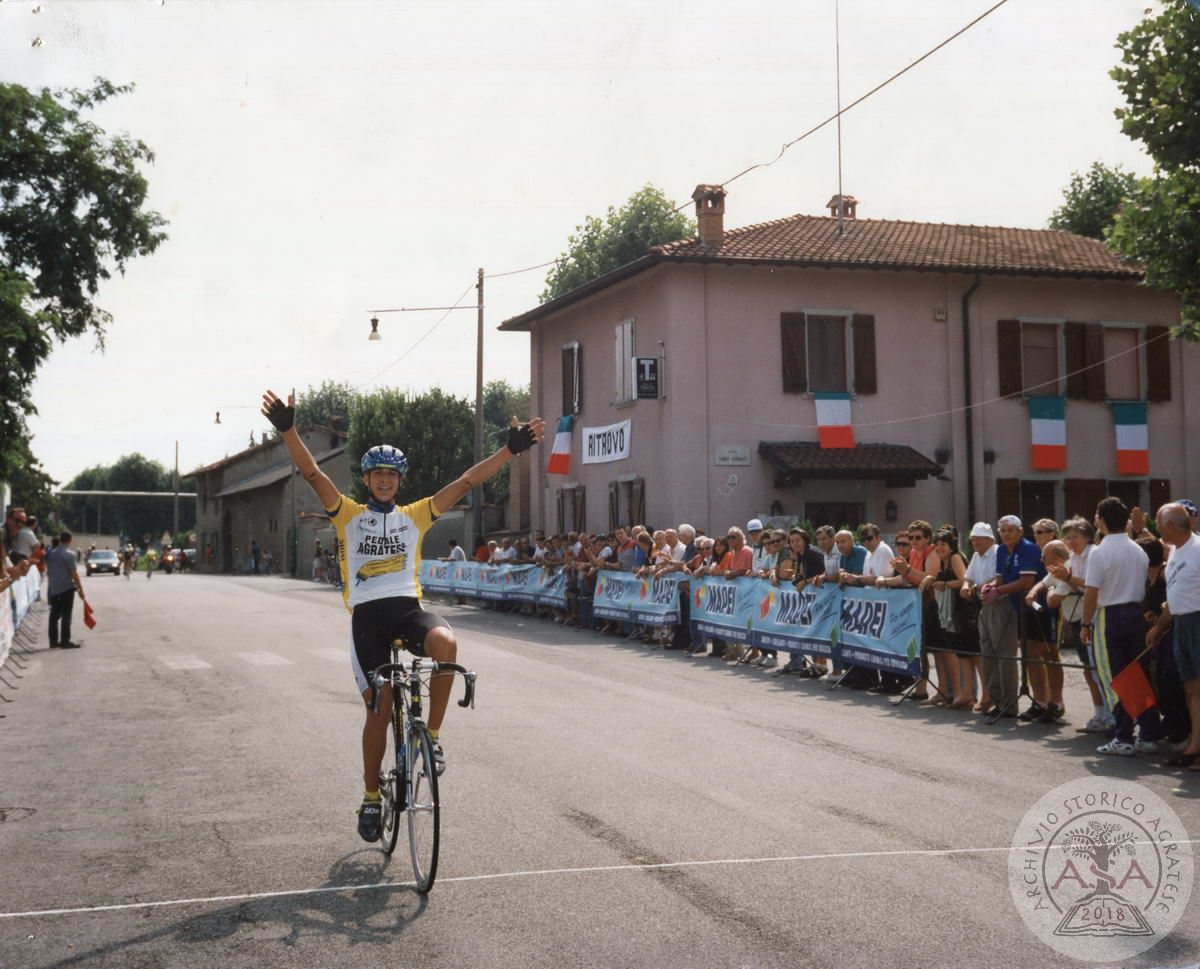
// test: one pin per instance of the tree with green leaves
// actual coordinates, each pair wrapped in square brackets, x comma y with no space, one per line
[72,210]
[326,407]
[501,402]
[1160,223]
[1091,200]
[32,487]
[433,429]
[599,245]
[128,515]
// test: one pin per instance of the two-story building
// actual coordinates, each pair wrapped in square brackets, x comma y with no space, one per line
[975,370]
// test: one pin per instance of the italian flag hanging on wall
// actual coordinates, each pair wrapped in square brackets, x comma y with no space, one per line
[560,454]
[833,420]
[1133,438]
[1048,427]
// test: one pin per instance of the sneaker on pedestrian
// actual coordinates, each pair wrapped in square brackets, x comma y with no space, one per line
[1146,746]
[1118,748]
[1097,724]
[370,819]
[768,661]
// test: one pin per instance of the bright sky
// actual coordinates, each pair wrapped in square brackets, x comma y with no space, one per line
[319,160]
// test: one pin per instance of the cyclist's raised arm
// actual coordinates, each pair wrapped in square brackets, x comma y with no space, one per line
[520,438]
[283,416]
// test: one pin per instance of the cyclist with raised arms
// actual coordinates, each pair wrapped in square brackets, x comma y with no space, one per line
[379,557]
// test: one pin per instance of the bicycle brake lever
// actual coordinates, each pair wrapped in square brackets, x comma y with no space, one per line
[468,699]
[374,702]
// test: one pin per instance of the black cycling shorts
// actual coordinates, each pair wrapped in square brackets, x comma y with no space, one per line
[374,625]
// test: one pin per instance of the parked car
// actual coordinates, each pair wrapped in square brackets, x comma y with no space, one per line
[103,560]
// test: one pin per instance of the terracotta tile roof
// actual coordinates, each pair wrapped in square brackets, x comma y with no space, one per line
[807,459]
[885,244]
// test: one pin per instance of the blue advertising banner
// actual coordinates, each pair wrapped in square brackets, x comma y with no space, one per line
[491,583]
[550,588]
[435,576]
[797,620]
[725,607]
[464,579]
[615,595]
[881,628]
[657,603]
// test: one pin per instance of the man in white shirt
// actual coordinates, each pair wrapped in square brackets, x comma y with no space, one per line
[879,557]
[456,552]
[1182,614]
[833,558]
[980,570]
[1113,622]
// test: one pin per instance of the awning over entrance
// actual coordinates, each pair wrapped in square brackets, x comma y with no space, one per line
[896,464]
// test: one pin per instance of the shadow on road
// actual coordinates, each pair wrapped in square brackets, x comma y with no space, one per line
[376,914]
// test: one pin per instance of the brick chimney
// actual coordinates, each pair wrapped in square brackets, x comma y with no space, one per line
[848,203]
[710,214]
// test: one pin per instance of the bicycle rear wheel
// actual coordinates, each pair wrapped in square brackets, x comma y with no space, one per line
[391,789]
[423,809]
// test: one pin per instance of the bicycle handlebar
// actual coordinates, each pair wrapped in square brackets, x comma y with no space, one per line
[412,671]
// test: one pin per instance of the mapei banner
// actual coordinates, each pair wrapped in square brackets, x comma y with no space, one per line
[876,628]
[649,602]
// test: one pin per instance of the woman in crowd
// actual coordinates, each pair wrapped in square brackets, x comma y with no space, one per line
[1039,622]
[717,549]
[799,563]
[1078,535]
[922,561]
[958,672]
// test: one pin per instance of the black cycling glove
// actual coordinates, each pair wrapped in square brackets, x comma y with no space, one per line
[520,437]
[281,415]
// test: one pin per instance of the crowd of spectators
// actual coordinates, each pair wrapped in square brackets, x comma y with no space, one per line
[1001,611]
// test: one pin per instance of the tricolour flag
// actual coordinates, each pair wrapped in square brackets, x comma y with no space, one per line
[1133,438]
[833,420]
[1048,426]
[560,454]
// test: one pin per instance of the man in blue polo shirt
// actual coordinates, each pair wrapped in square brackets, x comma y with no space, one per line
[1017,563]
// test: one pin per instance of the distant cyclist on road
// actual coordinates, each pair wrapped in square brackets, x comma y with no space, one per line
[379,558]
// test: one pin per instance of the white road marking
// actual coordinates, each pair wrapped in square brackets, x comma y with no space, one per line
[184,661]
[331,653]
[260,657]
[597,869]
[106,666]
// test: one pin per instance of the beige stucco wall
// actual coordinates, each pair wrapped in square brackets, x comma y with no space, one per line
[719,326]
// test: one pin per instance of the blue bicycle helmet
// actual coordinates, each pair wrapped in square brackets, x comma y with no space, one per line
[385,456]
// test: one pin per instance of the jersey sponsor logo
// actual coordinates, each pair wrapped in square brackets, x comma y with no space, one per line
[395,563]
[380,545]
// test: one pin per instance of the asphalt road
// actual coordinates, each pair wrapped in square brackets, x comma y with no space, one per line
[204,744]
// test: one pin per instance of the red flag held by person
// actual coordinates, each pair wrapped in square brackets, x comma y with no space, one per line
[89,618]
[1134,690]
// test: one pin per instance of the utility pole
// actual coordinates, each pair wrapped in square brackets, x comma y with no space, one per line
[295,519]
[477,491]
[175,524]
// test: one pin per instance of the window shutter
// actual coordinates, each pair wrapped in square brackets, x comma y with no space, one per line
[638,501]
[862,329]
[1075,338]
[580,515]
[561,524]
[1160,494]
[1094,375]
[1158,363]
[614,504]
[568,381]
[1008,351]
[1082,495]
[795,358]
[1008,497]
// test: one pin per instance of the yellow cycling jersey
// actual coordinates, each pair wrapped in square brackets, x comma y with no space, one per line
[379,554]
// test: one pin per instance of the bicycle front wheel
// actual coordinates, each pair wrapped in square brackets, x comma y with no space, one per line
[424,811]
[391,789]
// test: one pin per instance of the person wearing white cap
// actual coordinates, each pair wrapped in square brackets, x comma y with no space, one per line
[981,569]
[1018,562]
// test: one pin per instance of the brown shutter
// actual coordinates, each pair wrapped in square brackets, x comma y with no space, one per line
[1158,363]
[580,515]
[1008,351]
[1094,375]
[795,358]
[614,505]
[1160,494]
[1075,338]
[862,331]
[1008,497]
[638,501]
[1082,495]
[568,381]
[562,525]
